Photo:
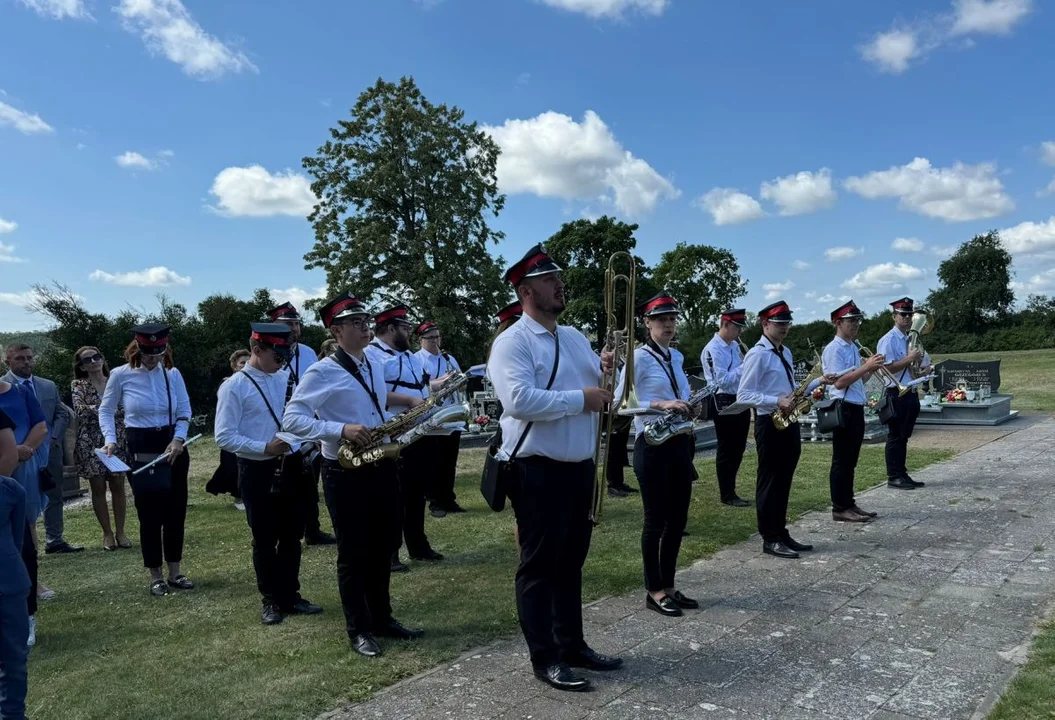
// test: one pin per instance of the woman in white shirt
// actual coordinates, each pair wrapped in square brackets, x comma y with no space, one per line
[157,418]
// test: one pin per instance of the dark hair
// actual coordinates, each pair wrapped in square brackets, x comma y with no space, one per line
[135,358]
[239,354]
[328,347]
[16,347]
[382,327]
[78,371]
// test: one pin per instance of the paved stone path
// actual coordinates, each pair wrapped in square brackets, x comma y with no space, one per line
[925,613]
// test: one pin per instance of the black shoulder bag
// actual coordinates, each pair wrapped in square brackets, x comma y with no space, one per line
[830,415]
[494,482]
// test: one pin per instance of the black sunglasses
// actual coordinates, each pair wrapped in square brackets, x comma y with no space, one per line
[90,359]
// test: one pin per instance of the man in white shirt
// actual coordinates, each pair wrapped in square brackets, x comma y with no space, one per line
[894,347]
[341,398]
[406,389]
[842,357]
[438,366]
[768,384]
[722,365]
[301,358]
[550,428]
[248,419]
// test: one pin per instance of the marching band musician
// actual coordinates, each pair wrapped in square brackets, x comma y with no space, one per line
[438,365]
[248,418]
[301,358]
[157,418]
[665,471]
[894,347]
[342,398]
[842,357]
[722,366]
[551,483]
[767,384]
[390,349]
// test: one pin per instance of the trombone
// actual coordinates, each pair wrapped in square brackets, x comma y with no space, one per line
[743,348]
[883,372]
[619,340]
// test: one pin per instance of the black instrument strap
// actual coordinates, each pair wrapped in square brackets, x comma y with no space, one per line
[264,398]
[668,368]
[348,364]
[787,367]
[552,377]
[168,393]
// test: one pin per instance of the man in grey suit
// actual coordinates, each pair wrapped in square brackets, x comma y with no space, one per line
[20,360]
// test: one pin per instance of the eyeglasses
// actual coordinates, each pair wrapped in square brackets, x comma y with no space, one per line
[96,358]
[431,337]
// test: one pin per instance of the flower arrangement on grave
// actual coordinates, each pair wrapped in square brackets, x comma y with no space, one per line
[481,422]
[818,393]
[957,395]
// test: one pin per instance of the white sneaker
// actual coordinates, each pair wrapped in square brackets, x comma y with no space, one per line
[239,505]
[32,639]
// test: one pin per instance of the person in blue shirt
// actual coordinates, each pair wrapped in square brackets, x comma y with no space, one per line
[15,584]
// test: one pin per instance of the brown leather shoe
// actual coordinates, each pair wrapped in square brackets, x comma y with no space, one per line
[849,516]
[859,511]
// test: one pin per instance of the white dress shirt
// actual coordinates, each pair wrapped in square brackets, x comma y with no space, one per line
[244,425]
[841,356]
[894,346]
[722,364]
[398,367]
[652,380]
[519,367]
[764,379]
[437,366]
[330,391]
[143,395]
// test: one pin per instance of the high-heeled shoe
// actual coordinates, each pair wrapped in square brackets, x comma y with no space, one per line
[664,606]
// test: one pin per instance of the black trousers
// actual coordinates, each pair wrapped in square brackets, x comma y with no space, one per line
[778,456]
[618,456]
[269,491]
[899,430]
[416,465]
[732,440]
[665,474]
[225,478]
[162,514]
[445,471]
[366,512]
[551,501]
[846,449]
[29,558]
[308,497]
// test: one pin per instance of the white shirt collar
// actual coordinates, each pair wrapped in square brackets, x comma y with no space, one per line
[534,325]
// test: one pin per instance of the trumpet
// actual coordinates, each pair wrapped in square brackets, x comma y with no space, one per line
[619,340]
[883,372]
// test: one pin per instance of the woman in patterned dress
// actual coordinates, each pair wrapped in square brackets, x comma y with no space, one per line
[90,373]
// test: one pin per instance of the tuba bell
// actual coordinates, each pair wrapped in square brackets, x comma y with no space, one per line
[922,323]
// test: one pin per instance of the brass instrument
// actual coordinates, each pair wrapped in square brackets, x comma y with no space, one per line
[802,400]
[922,323]
[407,427]
[883,372]
[619,340]
[743,348]
[672,422]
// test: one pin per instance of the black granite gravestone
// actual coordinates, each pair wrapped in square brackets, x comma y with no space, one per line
[951,372]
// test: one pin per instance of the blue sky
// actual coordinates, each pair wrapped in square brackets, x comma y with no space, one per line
[154,145]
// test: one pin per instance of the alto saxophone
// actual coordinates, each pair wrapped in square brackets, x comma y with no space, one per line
[407,427]
[672,422]
[802,402]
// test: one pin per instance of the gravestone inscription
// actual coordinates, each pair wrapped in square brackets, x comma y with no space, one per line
[952,372]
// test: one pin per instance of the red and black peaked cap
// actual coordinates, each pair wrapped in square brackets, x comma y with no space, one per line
[425,327]
[510,311]
[847,310]
[285,311]
[535,262]
[776,312]
[393,313]
[903,305]
[342,305]
[277,335]
[152,338]
[737,316]
[659,304]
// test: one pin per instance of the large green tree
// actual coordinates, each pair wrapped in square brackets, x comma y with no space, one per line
[704,279]
[975,287]
[405,189]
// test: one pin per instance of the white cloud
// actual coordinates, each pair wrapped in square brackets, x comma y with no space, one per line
[944,252]
[729,206]
[826,299]
[297,295]
[955,194]
[166,27]
[1047,152]
[883,277]
[993,17]
[842,252]
[25,123]
[800,265]
[775,290]
[166,153]
[801,193]
[907,245]
[22,299]
[151,277]
[1030,238]
[610,8]
[551,155]
[59,9]
[135,161]
[253,191]
[892,51]
[1040,283]
[7,252]
[1049,190]
[7,226]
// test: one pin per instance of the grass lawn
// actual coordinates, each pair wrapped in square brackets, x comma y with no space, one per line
[107,649]
[1032,693]
[1026,374]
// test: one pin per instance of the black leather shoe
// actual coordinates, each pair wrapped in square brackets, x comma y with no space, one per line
[158,588]
[779,549]
[454,508]
[795,545]
[916,483]
[320,538]
[591,660]
[684,602]
[365,645]
[559,676]
[396,629]
[62,547]
[666,606]
[866,513]
[429,554]
[302,607]
[271,615]
[181,582]
[900,483]
[736,502]
[437,512]
[616,491]
[397,565]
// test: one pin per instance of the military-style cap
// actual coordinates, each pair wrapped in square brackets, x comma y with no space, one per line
[737,316]
[903,305]
[277,335]
[535,262]
[425,327]
[341,306]
[285,311]
[778,312]
[847,311]
[152,338]
[659,304]
[393,313]
[510,311]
